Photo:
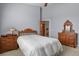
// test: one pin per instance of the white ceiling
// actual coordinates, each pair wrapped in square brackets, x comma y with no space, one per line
[39,4]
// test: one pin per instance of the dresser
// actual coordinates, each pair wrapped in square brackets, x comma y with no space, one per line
[8,42]
[68,38]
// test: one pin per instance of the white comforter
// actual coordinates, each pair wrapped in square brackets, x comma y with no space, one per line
[36,45]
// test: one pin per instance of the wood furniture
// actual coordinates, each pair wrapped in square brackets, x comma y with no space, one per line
[27,31]
[68,26]
[8,42]
[44,28]
[68,36]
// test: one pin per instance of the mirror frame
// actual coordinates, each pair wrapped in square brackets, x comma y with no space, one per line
[68,23]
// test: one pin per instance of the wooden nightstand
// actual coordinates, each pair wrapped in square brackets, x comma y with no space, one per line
[8,42]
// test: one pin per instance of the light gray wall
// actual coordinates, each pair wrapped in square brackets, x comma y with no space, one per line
[19,16]
[0,17]
[58,14]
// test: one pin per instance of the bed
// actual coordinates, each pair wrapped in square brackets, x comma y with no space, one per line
[36,45]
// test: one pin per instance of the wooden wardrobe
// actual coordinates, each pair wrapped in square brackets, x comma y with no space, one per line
[68,36]
[44,28]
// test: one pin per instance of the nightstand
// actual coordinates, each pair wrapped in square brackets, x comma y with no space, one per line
[8,42]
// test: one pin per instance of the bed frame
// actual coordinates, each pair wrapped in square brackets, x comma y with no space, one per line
[28,30]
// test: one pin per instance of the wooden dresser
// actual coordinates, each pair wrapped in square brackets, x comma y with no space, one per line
[8,42]
[68,38]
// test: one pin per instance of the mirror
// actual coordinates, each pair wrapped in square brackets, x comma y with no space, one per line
[68,26]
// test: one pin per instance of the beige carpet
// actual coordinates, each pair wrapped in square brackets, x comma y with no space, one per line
[68,51]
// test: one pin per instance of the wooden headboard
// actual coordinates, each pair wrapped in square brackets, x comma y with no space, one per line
[28,30]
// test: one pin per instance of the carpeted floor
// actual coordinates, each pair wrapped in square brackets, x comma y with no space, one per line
[68,51]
